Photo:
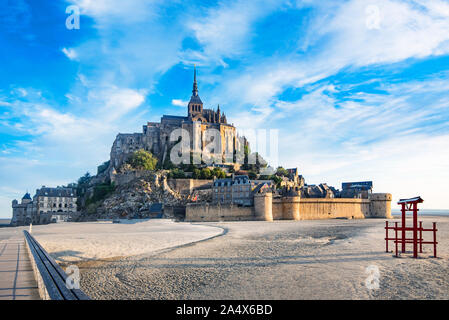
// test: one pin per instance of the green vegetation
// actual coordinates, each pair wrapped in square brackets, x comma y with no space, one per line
[276,179]
[101,168]
[84,180]
[281,172]
[100,193]
[142,160]
[196,173]
[218,173]
[176,174]
[206,173]
[252,175]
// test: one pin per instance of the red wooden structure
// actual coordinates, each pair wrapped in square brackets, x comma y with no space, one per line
[400,231]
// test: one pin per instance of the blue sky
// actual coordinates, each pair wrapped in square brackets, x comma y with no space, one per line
[357,89]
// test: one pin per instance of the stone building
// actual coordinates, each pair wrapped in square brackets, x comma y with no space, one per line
[360,190]
[232,190]
[47,205]
[159,137]
[60,202]
[22,213]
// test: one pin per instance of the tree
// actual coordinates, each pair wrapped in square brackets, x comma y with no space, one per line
[142,160]
[281,172]
[277,180]
[205,173]
[252,175]
[218,173]
[176,174]
[84,180]
[101,168]
[196,173]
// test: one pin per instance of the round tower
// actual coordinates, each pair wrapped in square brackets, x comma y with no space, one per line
[26,198]
[263,206]
[380,205]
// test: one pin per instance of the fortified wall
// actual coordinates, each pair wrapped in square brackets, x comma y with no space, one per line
[186,186]
[267,208]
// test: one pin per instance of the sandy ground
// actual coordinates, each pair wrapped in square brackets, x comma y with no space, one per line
[280,260]
[253,260]
[97,241]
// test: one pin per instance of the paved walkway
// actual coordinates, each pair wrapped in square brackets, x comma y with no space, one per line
[16,273]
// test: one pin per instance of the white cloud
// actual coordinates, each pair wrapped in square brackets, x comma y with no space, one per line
[4,104]
[388,138]
[225,30]
[116,102]
[179,103]
[405,31]
[342,39]
[130,11]
[70,53]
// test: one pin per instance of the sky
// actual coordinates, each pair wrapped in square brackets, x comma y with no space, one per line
[357,90]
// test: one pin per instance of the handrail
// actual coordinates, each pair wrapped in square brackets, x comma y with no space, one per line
[49,275]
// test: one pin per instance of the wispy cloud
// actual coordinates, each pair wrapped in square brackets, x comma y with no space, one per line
[225,31]
[179,103]
[70,53]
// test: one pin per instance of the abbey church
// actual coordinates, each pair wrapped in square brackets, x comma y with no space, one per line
[155,136]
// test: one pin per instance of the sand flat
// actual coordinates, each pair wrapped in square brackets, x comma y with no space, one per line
[84,242]
[325,259]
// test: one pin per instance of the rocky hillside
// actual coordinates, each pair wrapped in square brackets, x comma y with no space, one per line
[133,197]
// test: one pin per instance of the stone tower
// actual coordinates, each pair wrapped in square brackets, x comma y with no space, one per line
[195,106]
[380,205]
[290,207]
[263,206]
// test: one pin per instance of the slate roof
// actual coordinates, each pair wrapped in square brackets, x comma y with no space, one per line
[27,196]
[168,117]
[195,100]
[56,192]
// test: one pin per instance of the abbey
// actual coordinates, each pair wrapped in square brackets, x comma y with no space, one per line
[158,137]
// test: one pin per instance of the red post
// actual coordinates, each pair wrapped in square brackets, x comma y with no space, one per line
[415,230]
[435,239]
[396,237]
[420,237]
[403,227]
[386,236]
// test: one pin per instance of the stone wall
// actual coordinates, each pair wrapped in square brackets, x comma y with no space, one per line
[286,208]
[263,206]
[186,186]
[224,212]
[294,208]
[380,205]
[318,208]
[125,178]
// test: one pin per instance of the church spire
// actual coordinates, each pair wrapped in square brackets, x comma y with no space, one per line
[195,85]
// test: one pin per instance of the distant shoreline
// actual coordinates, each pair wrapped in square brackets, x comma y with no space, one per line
[425,212]
[4,221]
